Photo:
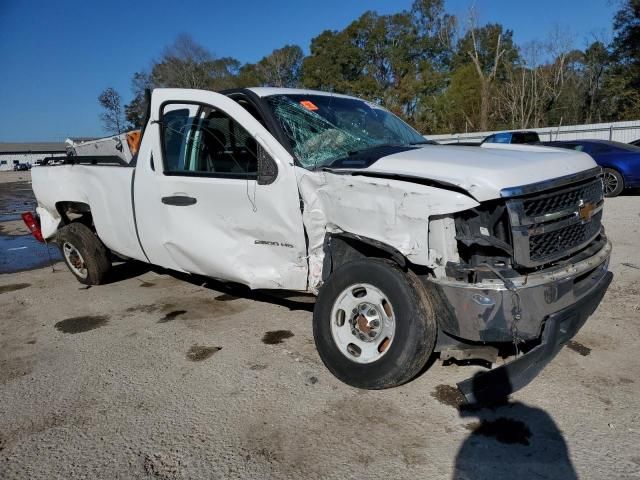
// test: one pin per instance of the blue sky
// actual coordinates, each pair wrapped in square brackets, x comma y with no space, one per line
[57,56]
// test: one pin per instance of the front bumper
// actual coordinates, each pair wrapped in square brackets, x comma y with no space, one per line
[551,307]
[559,328]
[489,311]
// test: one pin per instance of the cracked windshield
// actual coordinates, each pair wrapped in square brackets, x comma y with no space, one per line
[323,128]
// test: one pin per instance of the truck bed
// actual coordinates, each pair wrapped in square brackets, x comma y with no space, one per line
[107,189]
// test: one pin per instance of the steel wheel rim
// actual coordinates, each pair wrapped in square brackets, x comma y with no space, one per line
[75,260]
[610,182]
[362,323]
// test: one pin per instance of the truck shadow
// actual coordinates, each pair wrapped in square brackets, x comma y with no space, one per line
[510,439]
[121,271]
[295,301]
[630,192]
[230,291]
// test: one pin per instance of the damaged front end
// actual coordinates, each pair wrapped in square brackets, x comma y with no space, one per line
[527,271]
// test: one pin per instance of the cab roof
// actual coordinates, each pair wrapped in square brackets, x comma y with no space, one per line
[270,91]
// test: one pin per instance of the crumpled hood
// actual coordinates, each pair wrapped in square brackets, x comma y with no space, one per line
[484,171]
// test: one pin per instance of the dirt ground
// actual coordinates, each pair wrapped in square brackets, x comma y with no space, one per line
[157,376]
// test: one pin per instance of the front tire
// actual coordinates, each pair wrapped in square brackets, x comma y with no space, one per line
[612,181]
[84,253]
[374,325]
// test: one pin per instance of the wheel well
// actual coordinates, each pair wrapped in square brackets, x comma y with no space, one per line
[617,170]
[342,248]
[75,212]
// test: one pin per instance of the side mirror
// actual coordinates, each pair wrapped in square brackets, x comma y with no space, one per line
[267,168]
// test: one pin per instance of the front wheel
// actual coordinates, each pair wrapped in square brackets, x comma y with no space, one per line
[612,182]
[373,324]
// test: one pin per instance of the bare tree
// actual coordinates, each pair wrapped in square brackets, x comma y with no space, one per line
[532,92]
[136,110]
[113,115]
[184,64]
[596,62]
[554,75]
[487,68]
[187,64]
[519,98]
[282,67]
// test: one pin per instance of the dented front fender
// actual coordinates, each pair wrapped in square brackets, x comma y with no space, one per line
[391,211]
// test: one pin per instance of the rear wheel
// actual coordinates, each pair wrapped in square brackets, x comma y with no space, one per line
[84,253]
[612,182]
[373,324]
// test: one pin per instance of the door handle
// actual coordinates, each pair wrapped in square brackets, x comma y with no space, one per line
[179,200]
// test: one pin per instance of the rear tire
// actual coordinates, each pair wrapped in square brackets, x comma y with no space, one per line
[83,252]
[613,182]
[374,325]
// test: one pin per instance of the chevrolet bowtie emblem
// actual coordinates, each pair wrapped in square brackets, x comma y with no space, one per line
[585,210]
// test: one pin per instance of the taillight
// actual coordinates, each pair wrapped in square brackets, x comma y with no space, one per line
[33,225]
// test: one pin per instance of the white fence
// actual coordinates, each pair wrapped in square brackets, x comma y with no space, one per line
[619,131]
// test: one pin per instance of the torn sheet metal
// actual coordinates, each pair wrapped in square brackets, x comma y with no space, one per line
[443,246]
[393,212]
[49,221]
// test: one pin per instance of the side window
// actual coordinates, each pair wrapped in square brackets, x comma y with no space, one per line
[204,140]
[251,109]
[175,125]
[569,146]
[600,149]
[393,124]
[525,137]
[502,138]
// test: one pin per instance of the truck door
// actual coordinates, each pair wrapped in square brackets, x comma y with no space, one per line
[215,194]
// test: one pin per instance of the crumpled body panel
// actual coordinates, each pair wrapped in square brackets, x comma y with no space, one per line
[393,212]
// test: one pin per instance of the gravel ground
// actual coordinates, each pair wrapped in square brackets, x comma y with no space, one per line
[11,176]
[157,376]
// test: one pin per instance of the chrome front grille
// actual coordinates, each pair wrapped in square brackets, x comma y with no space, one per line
[537,207]
[553,224]
[548,245]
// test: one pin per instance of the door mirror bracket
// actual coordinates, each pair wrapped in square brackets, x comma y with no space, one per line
[267,168]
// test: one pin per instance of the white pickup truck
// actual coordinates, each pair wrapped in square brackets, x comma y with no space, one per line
[411,247]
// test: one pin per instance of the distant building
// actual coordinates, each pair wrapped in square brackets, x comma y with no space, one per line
[14,153]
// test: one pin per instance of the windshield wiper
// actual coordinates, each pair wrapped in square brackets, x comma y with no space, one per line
[352,153]
[365,157]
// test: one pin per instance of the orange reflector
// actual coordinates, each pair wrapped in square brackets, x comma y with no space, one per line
[133,140]
[309,105]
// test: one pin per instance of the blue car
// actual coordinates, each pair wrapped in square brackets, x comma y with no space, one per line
[513,137]
[620,162]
